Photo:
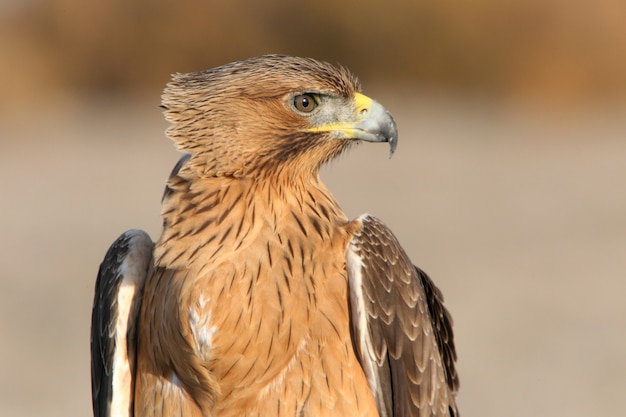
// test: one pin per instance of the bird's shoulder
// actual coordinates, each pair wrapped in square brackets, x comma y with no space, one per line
[117,298]
[402,331]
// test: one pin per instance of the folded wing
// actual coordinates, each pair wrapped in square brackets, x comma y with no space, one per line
[113,323]
[402,333]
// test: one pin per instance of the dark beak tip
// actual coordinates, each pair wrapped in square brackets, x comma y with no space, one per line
[393,144]
[392,136]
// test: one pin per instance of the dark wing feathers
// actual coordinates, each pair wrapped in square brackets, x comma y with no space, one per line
[402,332]
[442,323]
[116,305]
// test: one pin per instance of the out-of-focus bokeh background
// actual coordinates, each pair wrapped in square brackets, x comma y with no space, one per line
[508,186]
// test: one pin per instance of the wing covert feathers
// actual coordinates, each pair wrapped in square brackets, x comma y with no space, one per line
[402,332]
[113,323]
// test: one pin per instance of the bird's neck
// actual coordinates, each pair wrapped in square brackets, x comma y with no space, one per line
[212,217]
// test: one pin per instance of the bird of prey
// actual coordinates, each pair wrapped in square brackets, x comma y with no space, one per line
[261,298]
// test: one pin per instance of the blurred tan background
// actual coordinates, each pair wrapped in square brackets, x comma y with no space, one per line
[508,185]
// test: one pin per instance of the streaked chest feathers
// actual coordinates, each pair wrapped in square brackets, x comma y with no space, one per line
[264,273]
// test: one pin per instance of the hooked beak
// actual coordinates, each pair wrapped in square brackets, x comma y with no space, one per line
[371,123]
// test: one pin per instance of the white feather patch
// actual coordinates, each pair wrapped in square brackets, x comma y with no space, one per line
[201,329]
[360,319]
[133,272]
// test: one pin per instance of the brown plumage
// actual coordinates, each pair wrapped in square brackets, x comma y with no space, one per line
[260,297]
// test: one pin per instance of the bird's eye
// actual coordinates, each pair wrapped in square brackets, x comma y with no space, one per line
[305,103]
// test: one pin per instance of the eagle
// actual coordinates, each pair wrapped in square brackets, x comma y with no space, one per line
[260,297]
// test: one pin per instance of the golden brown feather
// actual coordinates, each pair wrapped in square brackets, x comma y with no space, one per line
[234,122]
[247,308]
[244,222]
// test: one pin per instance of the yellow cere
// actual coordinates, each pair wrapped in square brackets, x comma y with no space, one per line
[362,102]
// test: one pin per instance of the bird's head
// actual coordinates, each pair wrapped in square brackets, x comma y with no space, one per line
[271,114]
